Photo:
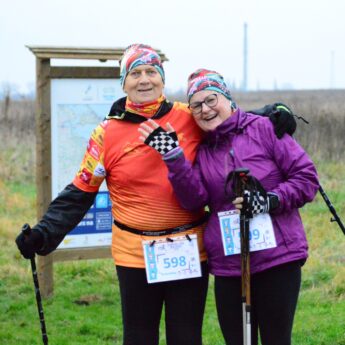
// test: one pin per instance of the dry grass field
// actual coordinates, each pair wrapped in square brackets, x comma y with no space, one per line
[324,109]
[17,133]
[323,137]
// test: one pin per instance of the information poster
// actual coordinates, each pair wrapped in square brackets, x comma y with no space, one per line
[77,107]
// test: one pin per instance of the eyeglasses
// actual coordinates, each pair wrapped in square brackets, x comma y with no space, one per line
[211,101]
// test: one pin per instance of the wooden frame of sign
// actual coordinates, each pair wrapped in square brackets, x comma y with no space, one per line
[44,73]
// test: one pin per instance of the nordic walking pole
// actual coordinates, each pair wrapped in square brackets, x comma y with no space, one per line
[332,209]
[247,281]
[241,178]
[26,231]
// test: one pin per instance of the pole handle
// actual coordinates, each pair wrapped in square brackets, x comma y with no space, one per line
[240,176]
[26,229]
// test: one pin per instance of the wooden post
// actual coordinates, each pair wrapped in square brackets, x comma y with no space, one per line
[43,165]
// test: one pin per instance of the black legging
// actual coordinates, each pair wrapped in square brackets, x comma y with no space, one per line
[274,295]
[142,304]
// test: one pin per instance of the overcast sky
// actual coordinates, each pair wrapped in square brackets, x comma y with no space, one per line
[291,43]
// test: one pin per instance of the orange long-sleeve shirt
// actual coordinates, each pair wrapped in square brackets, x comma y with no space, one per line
[137,180]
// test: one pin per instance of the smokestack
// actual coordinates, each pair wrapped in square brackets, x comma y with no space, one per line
[332,78]
[245,55]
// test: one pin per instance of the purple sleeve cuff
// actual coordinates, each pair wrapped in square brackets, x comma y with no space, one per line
[173,154]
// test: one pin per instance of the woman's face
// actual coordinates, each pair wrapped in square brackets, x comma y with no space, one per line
[209,109]
[143,84]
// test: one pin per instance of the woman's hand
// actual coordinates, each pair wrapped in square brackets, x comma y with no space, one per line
[146,128]
[238,203]
[164,142]
[255,203]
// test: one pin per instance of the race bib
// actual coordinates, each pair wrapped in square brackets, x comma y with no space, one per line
[261,233]
[172,259]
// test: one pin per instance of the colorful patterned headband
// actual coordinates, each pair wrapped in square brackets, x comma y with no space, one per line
[139,54]
[204,79]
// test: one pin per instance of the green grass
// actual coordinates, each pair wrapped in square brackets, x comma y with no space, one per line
[85,308]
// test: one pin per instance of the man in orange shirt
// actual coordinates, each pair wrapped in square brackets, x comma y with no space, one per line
[144,208]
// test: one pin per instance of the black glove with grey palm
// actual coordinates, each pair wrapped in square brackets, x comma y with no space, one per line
[162,141]
[281,116]
[29,244]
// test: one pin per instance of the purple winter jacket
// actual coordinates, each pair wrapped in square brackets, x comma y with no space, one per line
[281,165]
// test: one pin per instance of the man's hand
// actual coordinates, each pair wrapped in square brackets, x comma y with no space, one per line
[29,244]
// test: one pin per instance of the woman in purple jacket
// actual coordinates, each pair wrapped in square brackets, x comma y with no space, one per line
[235,139]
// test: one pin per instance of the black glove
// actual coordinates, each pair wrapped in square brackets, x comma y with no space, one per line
[281,116]
[255,202]
[162,141]
[29,244]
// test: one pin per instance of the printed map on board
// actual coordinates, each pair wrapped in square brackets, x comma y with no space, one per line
[75,124]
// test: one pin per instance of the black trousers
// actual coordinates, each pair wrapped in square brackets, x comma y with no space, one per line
[274,295]
[142,304]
